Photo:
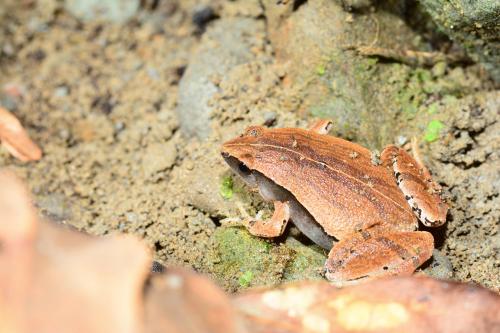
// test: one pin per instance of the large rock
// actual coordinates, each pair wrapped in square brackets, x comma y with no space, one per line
[227,43]
[474,24]
[315,42]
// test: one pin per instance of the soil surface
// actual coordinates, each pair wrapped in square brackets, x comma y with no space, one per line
[101,100]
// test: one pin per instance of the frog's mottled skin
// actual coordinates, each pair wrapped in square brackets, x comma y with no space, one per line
[329,187]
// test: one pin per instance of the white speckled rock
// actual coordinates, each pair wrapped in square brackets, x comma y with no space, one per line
[118,11]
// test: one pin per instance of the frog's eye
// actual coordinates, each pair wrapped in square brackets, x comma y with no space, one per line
[254,131]
[243,168]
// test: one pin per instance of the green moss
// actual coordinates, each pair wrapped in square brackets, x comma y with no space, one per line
[236,252]
[226,187]
[307,263]
[433,108]
[474,24]
[433,129]
[439,69]
[239,259]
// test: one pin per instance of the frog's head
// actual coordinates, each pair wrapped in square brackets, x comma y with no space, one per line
[239,153]
[242,154]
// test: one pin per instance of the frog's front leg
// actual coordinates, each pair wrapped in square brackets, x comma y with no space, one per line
[373,253]
[420,191]
[275,225]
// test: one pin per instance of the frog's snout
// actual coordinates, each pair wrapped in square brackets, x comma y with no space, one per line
[240,168]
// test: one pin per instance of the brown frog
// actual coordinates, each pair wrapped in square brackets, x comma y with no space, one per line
[331,189]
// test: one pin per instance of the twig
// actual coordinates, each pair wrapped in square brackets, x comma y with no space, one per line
[409,57]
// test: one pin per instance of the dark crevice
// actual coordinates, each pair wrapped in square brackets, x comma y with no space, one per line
[158,246]
[298,3]
[464,166]
[439,233]
[201,17]
[215,220]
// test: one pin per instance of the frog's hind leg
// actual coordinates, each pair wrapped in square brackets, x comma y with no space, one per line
[420,191]
[373,253]
[321,126]
[275,225]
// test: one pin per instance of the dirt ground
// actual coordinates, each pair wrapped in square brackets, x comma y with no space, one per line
[100,99]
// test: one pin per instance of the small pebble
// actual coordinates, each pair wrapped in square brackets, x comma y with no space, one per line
[439,266]
[119,126]
[189,165]
[401,140]
[61,91]
[269,118]
[64,134]
[131,217]
[8,49]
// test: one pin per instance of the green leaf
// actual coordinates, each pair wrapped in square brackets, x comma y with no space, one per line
[433,130]
[321,70]
[245,279]
[226,188]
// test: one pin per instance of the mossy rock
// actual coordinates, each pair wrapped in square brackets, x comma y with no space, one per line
[474,24]
[239,260]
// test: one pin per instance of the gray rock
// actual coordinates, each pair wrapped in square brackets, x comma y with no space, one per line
[474,24]
[55,206]
[117,11]
[439,266]
[225,44]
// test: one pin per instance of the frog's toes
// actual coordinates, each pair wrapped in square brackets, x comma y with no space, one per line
[274,226]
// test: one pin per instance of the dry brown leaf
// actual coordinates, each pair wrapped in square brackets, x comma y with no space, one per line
[15,138]
[401,304]
[185,302]
[59,280]
[17,232]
